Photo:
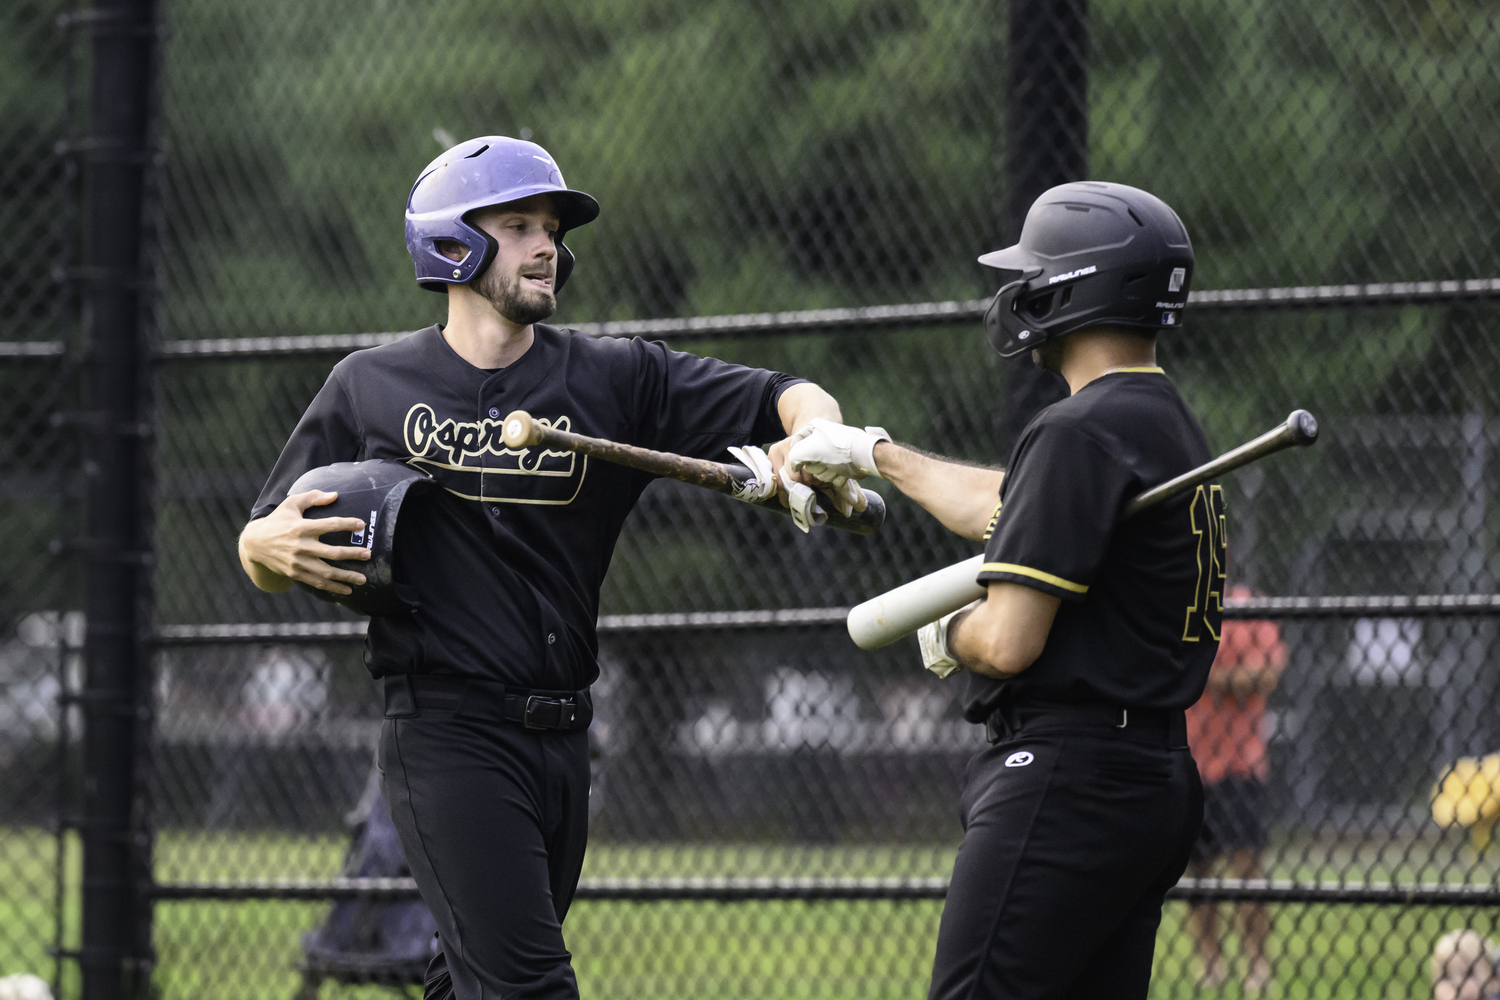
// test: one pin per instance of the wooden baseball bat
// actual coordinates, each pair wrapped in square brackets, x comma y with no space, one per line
[898,613]
[521,430]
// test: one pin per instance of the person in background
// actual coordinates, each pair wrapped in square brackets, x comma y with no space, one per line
[1465,966]
[1226,730]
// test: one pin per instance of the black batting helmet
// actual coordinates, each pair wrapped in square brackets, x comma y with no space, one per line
[1091,253]
[372,491]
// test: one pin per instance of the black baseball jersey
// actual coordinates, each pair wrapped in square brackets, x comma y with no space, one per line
[1138,626]
[507,560]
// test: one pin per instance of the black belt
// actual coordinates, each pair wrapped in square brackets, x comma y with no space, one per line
[474,698]
[1159,727]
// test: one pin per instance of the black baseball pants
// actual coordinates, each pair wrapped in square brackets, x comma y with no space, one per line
[1073,833]
[494,820]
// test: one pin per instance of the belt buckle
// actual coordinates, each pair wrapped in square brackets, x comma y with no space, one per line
[562,717]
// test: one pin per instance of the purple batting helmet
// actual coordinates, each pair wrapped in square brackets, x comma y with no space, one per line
[489,170]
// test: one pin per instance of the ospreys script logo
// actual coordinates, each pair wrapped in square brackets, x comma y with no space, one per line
[471,460]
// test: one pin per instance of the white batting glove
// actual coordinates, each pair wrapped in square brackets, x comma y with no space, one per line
[803,502]
[835,452]
[933,638]
[764,483]
[846,496]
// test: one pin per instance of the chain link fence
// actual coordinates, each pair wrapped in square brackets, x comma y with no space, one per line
[774,811]
[40,623]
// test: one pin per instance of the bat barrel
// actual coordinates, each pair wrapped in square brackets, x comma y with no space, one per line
[882,620]
[1304,427]
[521,430]
[1299,429]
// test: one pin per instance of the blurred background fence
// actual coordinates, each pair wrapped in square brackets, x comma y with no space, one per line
[184,761]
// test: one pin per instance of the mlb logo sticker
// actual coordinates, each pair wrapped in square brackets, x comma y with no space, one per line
[1169,319]
[366,537]
[1179,275]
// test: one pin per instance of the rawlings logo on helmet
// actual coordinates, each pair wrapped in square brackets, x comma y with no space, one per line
[1072,274]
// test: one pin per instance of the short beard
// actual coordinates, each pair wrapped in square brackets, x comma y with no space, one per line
[521,306]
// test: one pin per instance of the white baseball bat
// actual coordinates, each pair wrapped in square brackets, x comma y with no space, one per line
[898,613]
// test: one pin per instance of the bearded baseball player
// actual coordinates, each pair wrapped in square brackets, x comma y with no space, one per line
[1094,635]
[486,666]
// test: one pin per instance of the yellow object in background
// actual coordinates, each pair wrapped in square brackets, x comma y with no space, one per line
[1468,794]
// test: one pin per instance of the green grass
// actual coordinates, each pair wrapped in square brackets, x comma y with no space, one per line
[666,951]
[28,893]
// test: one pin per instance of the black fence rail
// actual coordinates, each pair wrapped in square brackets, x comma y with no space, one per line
[732,890]
[690,328]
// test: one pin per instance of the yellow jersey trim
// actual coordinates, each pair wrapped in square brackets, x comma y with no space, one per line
[1035,574]
[1149,370]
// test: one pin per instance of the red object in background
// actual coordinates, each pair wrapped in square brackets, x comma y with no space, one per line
[1225,731]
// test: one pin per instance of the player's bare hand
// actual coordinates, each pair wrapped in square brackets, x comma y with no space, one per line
[286,544]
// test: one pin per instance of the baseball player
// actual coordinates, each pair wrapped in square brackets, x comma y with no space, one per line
[486,682]
[1094,636]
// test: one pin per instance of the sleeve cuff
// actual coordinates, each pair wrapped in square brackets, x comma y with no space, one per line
[768,424]
[780,383]
[1036,579]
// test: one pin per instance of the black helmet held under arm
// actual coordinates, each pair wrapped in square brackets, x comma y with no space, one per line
[1091,253]
[372,491]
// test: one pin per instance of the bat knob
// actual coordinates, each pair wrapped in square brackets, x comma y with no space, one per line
[1304,427]
[518,429]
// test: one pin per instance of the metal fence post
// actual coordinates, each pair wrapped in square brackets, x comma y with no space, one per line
[1047,122]
[114,420]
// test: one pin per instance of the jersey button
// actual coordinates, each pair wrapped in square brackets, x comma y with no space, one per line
[494,413]
[495,511]
[551,638]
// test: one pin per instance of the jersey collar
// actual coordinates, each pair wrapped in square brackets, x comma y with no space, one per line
[1136,370]
[512,384]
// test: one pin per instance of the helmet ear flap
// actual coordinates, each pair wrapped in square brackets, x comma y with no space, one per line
[1039,306]
[487,249]
[565,262]
[481,248]
[1008,334]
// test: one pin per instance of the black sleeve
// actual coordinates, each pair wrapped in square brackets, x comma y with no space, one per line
[328,432]
[700,406]
[1057,516]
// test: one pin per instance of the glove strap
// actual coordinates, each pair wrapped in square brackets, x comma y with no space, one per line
[865,456]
